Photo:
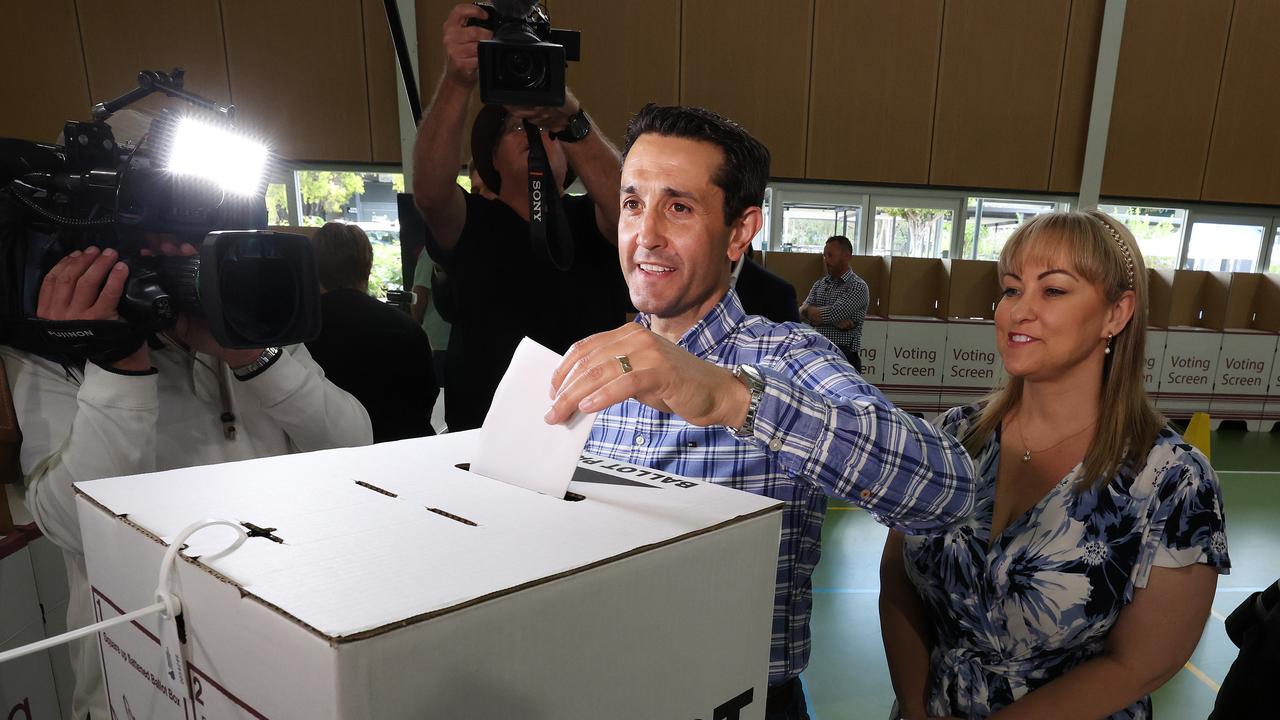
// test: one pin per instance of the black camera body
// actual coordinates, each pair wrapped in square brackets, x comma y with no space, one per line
[255,288]
[525,61]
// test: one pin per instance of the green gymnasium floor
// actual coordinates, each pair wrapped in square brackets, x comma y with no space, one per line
[847,678]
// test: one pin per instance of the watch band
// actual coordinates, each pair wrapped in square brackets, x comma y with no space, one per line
[255,368]
[748,375]
[578,127]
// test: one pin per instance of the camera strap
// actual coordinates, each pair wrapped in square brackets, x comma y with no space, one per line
[101,341]
[547,229]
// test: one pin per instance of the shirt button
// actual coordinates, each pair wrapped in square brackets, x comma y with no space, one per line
[639,439]
[775,444]
[865,494]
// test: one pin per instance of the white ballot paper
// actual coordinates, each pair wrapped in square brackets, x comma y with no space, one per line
[516,445]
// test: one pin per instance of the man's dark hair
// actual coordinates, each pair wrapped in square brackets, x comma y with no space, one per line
[742,176]
[343,255]
[843,242]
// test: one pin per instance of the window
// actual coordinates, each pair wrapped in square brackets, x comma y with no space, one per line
[806,227]
[367,199]
[1274,265]
[912,231]
[989,222]
[1226,246]
[1157,230]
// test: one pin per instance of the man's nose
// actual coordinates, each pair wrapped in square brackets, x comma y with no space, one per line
[652,229]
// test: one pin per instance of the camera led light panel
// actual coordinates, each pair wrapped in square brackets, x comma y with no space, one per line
[233,162]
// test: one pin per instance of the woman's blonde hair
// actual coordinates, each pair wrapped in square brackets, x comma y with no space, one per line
[1101,250]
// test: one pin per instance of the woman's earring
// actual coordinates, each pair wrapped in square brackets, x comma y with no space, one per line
[1107,351]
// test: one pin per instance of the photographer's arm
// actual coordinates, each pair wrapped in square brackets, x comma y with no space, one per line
[593,158]
[440,136]
[315,413]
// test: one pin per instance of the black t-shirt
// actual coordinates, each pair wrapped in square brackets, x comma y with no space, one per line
[505,290]
[382,357]
[766,294]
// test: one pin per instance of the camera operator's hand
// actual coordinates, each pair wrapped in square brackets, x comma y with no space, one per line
[87,286]
[193,331]
[551,119]
[461,49]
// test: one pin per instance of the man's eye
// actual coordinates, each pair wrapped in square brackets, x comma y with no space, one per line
[680,207]
[630,204]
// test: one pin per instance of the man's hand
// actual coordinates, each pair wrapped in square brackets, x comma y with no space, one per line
[87,286]
[811,314]
[461,49]
[551,119]
[663,376]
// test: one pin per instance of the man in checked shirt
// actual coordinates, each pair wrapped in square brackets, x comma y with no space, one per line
[696,387]
[837,302]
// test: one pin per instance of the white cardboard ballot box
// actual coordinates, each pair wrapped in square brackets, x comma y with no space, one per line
[385,582]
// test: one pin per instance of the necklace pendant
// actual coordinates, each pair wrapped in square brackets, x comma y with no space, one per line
[1026,456]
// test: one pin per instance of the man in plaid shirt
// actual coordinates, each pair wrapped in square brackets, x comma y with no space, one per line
[837,302]
[696,387]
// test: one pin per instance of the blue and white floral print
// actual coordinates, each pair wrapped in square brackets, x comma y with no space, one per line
[1013,614]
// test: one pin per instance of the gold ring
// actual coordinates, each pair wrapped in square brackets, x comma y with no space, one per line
[625,362]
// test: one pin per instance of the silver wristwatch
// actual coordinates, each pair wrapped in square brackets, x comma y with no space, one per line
[748,375]
[266,358]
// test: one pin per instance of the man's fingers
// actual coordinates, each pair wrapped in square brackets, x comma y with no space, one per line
[64,276]
[585,347]
[599,382]
[90,283]
[106,308]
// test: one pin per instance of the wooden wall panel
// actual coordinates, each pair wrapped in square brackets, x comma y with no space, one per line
[298,76]
[749,60]
[1166,87]
[383,82]
[43,84]
[998,82]
[1244,153]
[1076,98]
[625,64]
[875,72]
[124,37]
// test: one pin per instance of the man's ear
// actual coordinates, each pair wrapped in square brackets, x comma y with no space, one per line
[743,230]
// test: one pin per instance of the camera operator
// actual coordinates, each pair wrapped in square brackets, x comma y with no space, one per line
[174,403]
[506,289]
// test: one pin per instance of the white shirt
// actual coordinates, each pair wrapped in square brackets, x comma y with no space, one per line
[106,424]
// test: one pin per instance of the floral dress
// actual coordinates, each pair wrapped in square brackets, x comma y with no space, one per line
[1042,599]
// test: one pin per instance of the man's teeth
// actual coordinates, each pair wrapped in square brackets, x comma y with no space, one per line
[654,268]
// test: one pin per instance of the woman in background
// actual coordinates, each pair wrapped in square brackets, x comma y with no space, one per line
[1083,578]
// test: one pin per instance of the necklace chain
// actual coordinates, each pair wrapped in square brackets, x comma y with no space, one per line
[1026,447]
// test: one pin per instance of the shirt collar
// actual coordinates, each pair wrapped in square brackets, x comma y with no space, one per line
[712,329]
[848,276]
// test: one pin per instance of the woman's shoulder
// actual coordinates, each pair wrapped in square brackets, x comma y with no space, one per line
[1172,460]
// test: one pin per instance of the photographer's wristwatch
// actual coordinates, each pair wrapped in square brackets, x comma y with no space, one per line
[577,128]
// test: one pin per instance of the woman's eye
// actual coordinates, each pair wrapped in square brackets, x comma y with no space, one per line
[1054,292]
[1010,292]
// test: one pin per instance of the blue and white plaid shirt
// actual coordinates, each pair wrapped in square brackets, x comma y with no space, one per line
[820,429]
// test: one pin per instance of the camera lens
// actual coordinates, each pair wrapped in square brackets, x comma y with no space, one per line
[522,69]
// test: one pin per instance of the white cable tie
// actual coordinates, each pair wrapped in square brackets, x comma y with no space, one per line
[167,603]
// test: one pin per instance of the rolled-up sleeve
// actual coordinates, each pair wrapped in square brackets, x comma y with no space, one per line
[826,425]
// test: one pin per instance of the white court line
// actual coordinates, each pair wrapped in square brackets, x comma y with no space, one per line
[1202,677]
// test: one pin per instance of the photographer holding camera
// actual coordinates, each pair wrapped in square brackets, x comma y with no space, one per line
[509,286]
[182,401]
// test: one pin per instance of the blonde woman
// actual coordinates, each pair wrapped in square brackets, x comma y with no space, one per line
[1083,578]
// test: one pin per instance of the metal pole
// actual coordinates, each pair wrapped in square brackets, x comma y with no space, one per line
[1104,85]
